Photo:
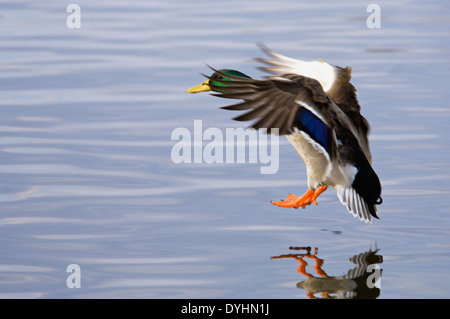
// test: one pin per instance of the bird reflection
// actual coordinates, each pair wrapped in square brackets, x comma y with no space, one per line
[362,281]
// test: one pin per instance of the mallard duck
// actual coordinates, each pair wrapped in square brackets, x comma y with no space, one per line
[315,106]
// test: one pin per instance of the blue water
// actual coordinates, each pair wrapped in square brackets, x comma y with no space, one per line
[87,176]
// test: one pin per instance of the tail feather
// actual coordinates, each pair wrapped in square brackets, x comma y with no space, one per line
[356,205]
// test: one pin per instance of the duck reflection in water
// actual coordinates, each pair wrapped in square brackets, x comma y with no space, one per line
[362,281]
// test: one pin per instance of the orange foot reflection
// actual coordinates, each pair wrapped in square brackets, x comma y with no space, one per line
[294,201]
[302,267]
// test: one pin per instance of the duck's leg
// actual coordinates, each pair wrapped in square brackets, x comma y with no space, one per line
[294,201]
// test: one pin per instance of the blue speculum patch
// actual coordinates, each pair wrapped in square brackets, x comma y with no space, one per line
[307,122]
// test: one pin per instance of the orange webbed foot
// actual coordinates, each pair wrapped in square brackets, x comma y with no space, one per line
[294,201]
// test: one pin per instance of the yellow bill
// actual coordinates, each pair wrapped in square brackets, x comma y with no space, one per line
[200,88]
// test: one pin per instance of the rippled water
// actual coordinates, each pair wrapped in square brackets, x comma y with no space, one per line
[85,153]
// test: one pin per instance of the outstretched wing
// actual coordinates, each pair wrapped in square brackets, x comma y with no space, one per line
[287,103]
[335,82]
[277,64]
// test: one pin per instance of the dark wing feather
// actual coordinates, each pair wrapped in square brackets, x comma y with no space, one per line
[276,103]
[272,94]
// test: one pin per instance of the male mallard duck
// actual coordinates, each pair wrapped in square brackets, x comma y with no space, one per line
[315,106]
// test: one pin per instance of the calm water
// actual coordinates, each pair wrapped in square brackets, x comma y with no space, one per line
[85,152]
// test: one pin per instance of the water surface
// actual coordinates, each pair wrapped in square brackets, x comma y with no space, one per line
[85,143]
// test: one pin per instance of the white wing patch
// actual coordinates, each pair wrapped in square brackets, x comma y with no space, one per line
[312,110]
[355,204]
[314,144]
[319,70]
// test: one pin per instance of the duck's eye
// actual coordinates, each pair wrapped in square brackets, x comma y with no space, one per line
[217,77]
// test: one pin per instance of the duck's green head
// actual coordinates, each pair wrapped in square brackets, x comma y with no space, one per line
[218,75]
